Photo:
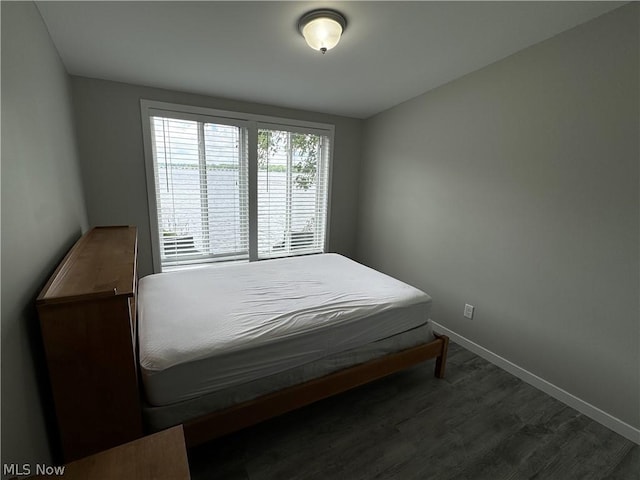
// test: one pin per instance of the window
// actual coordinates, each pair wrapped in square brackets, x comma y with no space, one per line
[200,173]
[225,186]
[292,193]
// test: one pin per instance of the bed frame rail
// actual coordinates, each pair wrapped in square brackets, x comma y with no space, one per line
[249,413]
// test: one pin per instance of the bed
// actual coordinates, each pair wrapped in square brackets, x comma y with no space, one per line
[224,347]
[215,348]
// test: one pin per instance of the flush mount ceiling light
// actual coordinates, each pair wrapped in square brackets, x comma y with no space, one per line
[322,28]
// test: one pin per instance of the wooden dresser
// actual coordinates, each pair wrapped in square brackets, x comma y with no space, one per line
[88,319]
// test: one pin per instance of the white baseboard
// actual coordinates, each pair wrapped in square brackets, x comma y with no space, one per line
[565,397]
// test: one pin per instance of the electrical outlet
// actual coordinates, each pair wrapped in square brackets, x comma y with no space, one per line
[468,310]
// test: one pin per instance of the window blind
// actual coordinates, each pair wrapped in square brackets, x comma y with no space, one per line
[292,192]
[232,186]
[201,181]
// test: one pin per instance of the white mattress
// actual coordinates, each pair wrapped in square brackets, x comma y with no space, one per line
[211,328]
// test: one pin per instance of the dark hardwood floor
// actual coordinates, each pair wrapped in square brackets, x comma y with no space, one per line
[478,423]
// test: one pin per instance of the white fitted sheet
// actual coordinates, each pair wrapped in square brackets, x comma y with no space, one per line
[211,328]
[159,418]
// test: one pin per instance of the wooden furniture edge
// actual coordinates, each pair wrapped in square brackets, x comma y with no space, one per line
[63,268]
[237,417]
[162,455]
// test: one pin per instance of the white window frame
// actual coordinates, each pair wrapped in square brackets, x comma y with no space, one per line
[252,122]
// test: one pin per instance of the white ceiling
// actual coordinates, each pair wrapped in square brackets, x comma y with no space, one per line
[390,51]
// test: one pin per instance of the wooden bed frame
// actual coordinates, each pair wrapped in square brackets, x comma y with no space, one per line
[88,318]
[249,413]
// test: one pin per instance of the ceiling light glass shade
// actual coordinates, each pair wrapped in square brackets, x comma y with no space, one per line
[322,34]
[322,29]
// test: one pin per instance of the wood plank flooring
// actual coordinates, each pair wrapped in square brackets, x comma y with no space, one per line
[480,422]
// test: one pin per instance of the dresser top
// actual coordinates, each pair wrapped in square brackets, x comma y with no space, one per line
[101,264]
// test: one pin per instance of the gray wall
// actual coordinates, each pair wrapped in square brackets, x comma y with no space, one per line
[42,215]
[110,143]
[515,189]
